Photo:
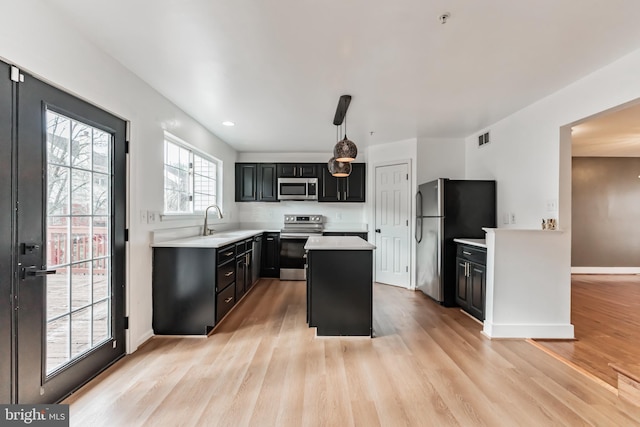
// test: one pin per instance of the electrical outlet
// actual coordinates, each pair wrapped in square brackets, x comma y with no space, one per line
[505,218]
[512,218]
[552,205]
[151,217]
[143,217]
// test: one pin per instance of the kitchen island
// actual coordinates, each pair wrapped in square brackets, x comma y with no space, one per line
[339,285]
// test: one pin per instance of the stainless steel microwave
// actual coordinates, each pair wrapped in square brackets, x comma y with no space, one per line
[297,188]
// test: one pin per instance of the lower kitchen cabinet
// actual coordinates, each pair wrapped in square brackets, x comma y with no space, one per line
[270,266]
[194,288]
[471,269]
[244,279]
[184,282]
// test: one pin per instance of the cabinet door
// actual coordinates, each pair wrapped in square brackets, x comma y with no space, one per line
[246,180]
[476,290]
[355,184]
[461,283]
[286,170]
[240,277]
[267,182]
[297,170]
[271,255]
[328,191]
[307,170]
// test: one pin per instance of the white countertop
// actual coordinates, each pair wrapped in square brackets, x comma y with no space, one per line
[216,240]
[482,243]
[341,243]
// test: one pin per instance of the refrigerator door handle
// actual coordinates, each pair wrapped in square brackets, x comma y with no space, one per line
[418,234]
[419,204]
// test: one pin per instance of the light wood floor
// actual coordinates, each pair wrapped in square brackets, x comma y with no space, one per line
[428,366]
[605,312]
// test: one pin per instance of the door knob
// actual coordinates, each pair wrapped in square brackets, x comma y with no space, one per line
[377,230]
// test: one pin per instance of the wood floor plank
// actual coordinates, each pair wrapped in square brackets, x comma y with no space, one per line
[606,319]
[263,366]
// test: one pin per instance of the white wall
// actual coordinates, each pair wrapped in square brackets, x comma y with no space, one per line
[530,158]
[440,158]
[524,153]
[31,37]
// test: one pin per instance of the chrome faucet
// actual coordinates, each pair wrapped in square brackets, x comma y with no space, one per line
[205,230]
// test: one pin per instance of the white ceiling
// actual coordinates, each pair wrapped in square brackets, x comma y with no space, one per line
[611,134]
[277,68]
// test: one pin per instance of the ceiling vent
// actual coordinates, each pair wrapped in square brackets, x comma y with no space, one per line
[483,139]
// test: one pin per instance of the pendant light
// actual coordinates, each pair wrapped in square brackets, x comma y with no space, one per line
[339,169]
[336,168]
[345,150]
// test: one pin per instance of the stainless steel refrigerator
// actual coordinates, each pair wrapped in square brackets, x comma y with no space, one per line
[445,210]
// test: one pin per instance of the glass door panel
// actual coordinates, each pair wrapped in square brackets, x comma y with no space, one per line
[77,234]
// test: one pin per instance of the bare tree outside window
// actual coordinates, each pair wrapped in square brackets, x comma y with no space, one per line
[190,179]
[78,238]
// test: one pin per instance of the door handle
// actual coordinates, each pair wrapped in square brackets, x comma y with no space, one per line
[377,230]
[32,271]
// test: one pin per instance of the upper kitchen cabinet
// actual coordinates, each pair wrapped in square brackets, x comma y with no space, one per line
[256,182]
[349,189]
[297,170]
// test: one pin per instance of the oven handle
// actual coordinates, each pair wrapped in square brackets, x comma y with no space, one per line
[294,236]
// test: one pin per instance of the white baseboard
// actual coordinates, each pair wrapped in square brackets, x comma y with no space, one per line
[605,270]
[550,331]
[141,340]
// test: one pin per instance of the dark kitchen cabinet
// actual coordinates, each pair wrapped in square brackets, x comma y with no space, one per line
[256,260]
[471,275]
[244,252]
[348,189]
[270,266]
[297,170]
[185,282]
[339,292]
[194,288]
[256,182]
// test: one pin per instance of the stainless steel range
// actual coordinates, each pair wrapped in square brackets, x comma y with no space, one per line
[293,236]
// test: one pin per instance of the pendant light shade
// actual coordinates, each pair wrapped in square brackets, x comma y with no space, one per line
[345,150]
[339,169]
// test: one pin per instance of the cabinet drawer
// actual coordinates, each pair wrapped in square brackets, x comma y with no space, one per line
[226,253]
[225,301]
[240,248]
[226,275]
[473,254]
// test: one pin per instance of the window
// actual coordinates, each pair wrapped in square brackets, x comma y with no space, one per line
[191,179]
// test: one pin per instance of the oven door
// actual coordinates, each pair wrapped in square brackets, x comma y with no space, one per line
[292,257]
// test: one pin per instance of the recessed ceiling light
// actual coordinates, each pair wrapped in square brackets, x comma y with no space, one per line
[228,123]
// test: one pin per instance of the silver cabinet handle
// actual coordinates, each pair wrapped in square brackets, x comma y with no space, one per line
[466,253]
[228,253]
[269,238]
[228,299]
[228,274]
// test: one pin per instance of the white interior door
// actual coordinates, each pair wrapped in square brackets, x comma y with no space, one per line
[392,224]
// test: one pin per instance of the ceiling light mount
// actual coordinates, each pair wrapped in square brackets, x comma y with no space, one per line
[444,17]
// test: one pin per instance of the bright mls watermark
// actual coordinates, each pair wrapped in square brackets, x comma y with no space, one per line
[34,415]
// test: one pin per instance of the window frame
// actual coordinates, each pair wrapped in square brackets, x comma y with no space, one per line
[193,151]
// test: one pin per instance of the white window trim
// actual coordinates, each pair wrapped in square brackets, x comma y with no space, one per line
[170,216]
